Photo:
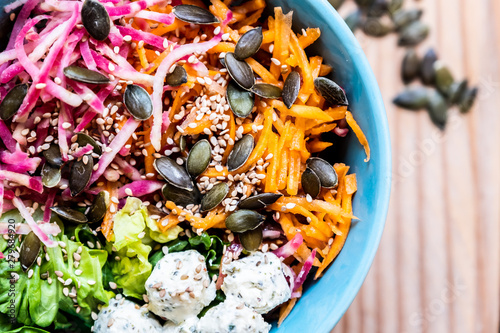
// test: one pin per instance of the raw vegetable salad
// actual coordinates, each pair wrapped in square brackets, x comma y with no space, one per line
[159,166]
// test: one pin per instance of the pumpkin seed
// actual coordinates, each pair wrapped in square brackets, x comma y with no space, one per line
[457,89]
[364,3]
[353,20]
[404,17]
[291,89]
[99,207]
[444,79]
[394,6]
[30,248]
[410,68]
[177,77]
[173,173]
[468,99]
[214,197]
[138,102]
[251,239]
[240,153]
[331,91]
[427,71]
[266,90]
[51,175]
[378,8]
[377,27]
[244,220]
[85,75]
[311,184]
[198,158]
[336,3]
[80,174]
[241,101]
[194,14]
[414,98]
[13,101]
[413,34]
[70,215]
[95,19]
[53,155]
[438,109]
[83,139]
[324,170]
[182,143]
[179,196]
[259,201]
[248,44]
[240,71]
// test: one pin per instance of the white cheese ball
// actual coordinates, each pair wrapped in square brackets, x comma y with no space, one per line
[125,316]
[179,286]
[232,317]
[257,281]
[189,326]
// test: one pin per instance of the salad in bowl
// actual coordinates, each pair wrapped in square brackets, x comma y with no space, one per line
[160,168]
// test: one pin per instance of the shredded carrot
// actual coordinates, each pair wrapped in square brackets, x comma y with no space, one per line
[311,35]
[222,47]
[107,223]
[317,146]
[294,173]
[261,71]
[282,32]
[359,134]
[285,310]
[271,184]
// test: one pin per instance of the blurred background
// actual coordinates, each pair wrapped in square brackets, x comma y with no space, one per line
[438,266]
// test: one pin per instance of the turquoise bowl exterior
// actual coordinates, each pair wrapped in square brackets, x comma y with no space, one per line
[326,300]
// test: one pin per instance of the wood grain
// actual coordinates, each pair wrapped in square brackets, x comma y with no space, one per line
[438,266]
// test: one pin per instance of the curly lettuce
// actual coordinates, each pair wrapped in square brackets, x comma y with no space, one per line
[135,234]
[38,300]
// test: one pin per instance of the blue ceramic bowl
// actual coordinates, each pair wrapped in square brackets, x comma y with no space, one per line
[326,300]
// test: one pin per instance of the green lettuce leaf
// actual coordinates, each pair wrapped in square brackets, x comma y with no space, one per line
[134,238]
[38,302]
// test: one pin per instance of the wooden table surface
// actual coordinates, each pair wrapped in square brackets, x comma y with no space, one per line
[438,266]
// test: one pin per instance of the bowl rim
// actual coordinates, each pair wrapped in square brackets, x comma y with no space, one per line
[346,37]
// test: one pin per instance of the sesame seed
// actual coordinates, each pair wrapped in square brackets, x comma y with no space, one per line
[39,261]
[290,205]
[129,192]
[78,272]
[111,67]
[66,125]
[40,85]
[94,315]
[309,198]
[68,282]
[127,38]
[30,273]
[59,273]
[217,30]
[111,321]
[112,285]
[65,291]
[91,282]
[78,257]
[141,235]
[276,61]
[145,298]
[225,36]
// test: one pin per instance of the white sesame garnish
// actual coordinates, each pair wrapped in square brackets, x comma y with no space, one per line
[111,67]
[40,85]
[91,282]
[127,38]
[129,192]
[112,285]
[217,30]
[66,125]
[276,61]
